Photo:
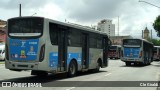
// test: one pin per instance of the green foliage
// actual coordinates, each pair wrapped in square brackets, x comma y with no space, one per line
[156,25]
[155,42]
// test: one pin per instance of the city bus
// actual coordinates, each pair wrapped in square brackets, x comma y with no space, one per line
[137,51]
[114,52]
[47,46]
[156,53]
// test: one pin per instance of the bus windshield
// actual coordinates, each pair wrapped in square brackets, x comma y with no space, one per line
[25,27]
[132,42]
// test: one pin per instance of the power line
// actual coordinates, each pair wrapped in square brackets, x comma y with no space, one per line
[149,3]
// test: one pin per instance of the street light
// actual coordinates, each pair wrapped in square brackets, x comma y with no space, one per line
[149,3]
[20,10]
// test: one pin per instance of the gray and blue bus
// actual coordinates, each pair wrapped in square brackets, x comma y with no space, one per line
[47,46]
[137,51]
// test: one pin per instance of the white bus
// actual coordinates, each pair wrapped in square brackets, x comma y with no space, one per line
[47,46]
[156,53]
[137,51]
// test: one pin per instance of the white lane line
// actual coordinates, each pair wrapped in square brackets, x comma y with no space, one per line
[108,74]
[71,88]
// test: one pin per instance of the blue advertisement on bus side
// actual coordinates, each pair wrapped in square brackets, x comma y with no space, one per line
[53,58]
[23,49]
[131,52]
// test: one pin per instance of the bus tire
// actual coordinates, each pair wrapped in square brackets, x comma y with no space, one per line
[98,67]
[72,70]
[145,63]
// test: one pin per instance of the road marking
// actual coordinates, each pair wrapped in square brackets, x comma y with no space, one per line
[108,74]
[71,88]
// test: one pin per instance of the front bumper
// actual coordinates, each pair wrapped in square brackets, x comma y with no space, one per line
[131,59]
[20,65]
[12,65]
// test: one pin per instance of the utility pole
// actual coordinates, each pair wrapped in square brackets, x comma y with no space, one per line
[118,26]
[19,10]
[151,34]
[142,34]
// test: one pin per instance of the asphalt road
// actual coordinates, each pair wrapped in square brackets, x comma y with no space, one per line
[116,71]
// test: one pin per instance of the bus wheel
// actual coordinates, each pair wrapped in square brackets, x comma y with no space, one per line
[72,69]
[128,63]
[98,67]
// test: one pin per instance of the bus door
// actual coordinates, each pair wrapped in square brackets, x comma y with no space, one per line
[105,51]
[62,50]
[119,52]
[85,51]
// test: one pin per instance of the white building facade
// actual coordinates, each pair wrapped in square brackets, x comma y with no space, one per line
[107,27]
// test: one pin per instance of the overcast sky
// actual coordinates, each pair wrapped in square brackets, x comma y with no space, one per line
[134,16]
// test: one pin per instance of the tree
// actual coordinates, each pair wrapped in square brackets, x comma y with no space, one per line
[154,41]
[156,25]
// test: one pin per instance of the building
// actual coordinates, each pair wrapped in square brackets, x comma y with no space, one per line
[117,40]
[2,31]
[106,26]
[146,33]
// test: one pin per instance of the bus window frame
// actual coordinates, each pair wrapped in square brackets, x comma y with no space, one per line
[25,37]
[132,45]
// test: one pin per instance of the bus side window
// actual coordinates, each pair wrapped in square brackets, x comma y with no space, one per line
[53,29]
